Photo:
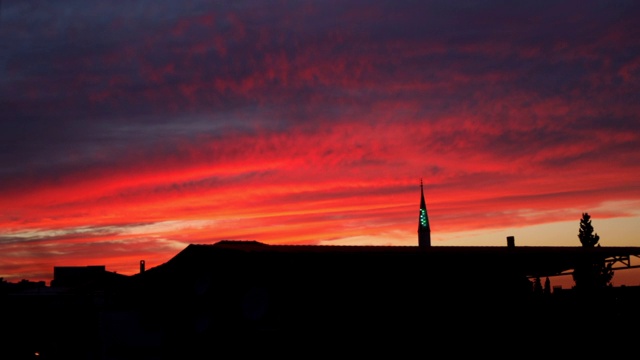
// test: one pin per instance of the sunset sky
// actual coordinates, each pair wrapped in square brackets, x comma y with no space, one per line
[131,129]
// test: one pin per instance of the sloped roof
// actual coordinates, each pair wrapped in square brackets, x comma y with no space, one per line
[523,260]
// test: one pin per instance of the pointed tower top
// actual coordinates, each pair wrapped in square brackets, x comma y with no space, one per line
[424,230]
[423,204]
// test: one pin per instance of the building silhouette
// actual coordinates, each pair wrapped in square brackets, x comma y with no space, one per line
[248,298]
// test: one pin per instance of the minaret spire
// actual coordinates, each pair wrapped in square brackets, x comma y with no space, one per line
[424,231]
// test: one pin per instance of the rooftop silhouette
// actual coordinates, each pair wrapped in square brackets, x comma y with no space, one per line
[243,295]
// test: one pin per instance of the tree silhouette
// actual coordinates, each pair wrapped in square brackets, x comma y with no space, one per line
[591,273]
[547,286]
[586,235]
[537,286]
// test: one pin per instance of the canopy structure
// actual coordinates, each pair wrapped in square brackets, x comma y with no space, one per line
[530,261]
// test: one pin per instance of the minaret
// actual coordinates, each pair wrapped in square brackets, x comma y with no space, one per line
[424,231]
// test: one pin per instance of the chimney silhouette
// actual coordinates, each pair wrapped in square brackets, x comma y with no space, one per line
[141,266]
[511,242]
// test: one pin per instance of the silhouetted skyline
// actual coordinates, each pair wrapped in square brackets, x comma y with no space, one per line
[240,297]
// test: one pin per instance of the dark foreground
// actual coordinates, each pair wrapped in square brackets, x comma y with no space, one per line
[221,303]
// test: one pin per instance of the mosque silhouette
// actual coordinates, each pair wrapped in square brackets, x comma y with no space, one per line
[245,296]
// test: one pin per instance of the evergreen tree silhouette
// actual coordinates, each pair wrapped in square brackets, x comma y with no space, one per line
[547,286]
[591,273]
[537,286]
[586,235]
